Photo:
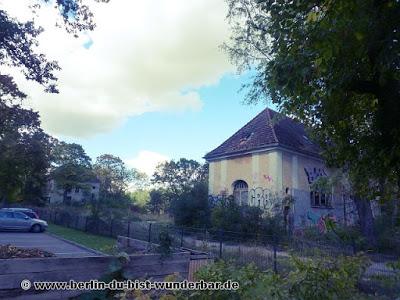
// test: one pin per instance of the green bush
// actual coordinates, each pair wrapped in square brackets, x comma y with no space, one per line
[226,215]
[192,208]
[308,280]
[254,284]
[248,220]
[326,278]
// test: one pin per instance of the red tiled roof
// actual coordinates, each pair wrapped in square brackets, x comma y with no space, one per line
[267,130]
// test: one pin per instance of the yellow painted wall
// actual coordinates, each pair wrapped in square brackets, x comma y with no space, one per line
[276,170]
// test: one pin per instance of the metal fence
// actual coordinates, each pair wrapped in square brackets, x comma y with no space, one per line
[265,251]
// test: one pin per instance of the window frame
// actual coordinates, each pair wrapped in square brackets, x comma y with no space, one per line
[316,198]
[241,192]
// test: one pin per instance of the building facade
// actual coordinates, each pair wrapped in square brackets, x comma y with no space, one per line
[272,159]
[88,191]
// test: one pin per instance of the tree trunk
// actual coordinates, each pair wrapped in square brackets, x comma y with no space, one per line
[366,219]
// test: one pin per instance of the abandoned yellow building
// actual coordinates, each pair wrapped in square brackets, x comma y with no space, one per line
[269,158]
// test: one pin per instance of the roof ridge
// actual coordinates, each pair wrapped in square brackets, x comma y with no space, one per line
[272,126]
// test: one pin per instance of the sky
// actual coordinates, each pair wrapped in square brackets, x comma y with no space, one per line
[149,84]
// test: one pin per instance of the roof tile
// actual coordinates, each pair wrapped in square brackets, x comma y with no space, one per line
[268,129]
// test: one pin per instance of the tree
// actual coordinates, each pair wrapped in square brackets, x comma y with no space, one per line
[71,167]
[70,154]
[18,41]
[178,176]
[334,66]
[25,154]
[158,201]
[113,175]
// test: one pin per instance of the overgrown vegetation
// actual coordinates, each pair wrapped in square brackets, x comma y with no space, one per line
[308,280]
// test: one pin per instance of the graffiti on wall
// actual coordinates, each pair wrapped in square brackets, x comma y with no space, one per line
[323,222]
[314,173]
[265,199]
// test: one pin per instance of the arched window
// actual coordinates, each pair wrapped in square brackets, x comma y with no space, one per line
[240,192]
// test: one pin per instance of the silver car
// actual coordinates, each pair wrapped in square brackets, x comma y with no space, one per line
[16,220]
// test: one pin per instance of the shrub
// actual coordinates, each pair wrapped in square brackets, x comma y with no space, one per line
[326,278]
[226,215]
[254,284]
[248,220]
[164,243]
[308,280]
[192,208]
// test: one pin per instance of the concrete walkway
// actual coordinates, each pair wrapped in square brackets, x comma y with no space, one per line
[44,241]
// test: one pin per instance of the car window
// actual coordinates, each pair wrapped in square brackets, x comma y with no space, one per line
[19,215]
[29,214]
[8,214]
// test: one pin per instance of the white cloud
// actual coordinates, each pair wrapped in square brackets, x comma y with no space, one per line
[146,161]
[145,53]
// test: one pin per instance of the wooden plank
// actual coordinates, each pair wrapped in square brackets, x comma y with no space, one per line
[13,271]
[199,256]
[155,259]
[165,269]
[33,265]
[195,265]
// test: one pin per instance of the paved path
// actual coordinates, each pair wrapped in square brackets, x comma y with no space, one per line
[45,242]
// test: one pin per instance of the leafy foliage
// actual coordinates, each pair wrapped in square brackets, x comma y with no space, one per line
[248,220]
[164,243]
[158,201]
[71,167]
[328,279]
[192,207]
[178,176]
[114,176]
[25,154]
[335,66]
[18,44]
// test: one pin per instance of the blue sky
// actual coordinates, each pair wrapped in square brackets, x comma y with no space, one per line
[188,134]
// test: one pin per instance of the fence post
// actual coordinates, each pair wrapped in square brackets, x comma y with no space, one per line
[149,238]
[275,246]
[86,221]
[181,237]
[220,243]
[129,229]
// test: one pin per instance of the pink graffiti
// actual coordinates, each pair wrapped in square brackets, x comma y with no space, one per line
[268,178]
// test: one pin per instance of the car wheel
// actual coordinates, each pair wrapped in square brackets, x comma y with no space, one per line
[36,228]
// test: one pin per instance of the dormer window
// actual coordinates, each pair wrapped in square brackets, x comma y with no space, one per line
[246,138]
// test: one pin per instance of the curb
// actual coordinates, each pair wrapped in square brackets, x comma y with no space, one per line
[77,245]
